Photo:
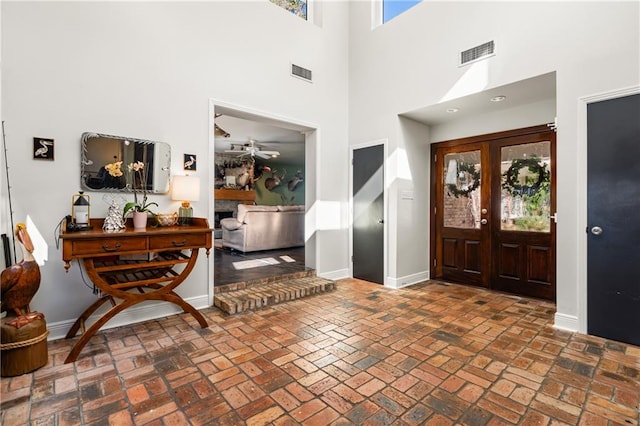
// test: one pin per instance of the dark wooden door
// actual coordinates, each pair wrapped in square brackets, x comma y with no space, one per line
[368,214]
[613,202]
[523,237]
[493,211]
[463,229]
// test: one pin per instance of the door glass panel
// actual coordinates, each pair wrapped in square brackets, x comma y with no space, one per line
[526,187]
[461,183]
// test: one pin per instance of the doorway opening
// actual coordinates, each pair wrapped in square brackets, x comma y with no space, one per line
[259,195]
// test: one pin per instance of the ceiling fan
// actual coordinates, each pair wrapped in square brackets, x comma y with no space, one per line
[251,149]
[219,131]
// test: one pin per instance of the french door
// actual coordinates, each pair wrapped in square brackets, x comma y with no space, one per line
[493,211]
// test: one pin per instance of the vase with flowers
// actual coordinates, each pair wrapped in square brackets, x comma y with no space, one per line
[140,206]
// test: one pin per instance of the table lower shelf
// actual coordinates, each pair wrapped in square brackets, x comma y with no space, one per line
[125,283]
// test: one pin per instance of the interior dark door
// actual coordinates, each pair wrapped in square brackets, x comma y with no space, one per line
[613,202]
[463,228]
[368,214]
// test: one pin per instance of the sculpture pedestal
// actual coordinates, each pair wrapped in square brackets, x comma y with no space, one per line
[24,349]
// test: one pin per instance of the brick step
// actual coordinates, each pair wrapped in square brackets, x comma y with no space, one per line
[261,281]
[263,295]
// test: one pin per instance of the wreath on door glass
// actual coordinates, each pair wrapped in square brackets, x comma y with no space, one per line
[469,168]
[510,177]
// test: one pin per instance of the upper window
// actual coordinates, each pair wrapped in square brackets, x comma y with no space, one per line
[297,7]
[393,8]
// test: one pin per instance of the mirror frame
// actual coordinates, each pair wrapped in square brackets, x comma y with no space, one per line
[161,170]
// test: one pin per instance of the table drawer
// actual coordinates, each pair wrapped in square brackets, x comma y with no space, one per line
[108,246]
[178,241]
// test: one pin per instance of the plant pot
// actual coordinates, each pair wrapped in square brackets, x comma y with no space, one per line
[140,220]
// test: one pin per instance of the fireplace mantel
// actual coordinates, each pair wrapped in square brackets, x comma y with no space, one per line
[247,197]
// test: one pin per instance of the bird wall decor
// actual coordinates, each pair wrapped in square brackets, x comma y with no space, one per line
[20,282]
[42,151]
[190,162]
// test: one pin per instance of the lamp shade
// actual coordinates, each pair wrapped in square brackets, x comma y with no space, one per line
[185,188]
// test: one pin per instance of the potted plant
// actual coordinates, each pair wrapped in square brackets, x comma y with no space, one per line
[140,207]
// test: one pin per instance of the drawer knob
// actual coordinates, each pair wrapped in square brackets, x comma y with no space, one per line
[105,247]
[179,244]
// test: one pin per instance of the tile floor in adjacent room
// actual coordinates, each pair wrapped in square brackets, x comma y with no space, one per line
[363,354]
[225,272]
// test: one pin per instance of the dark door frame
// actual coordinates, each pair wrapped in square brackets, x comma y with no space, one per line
[352,148]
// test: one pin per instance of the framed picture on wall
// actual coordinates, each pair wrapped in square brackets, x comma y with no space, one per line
[189,162]
[42,149]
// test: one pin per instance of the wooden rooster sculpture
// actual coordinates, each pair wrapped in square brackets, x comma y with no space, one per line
[20,282]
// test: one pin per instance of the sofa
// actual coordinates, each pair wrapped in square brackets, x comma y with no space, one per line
[264,228]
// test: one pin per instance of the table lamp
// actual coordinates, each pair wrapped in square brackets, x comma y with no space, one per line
[185,189]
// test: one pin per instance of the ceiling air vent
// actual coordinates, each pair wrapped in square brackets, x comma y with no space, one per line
[476,53]
[303,73]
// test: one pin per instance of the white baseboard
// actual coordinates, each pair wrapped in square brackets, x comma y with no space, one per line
[565,322]
[407,280]
[335,275]
[142,312]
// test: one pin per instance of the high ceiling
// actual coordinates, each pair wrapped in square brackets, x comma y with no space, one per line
[290,143]
[288,139]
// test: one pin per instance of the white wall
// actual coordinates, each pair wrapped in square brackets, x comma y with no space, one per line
[411,62]
[532,114]
[410,204]
[148,70]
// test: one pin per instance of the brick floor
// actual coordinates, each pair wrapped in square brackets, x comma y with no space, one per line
[432,354]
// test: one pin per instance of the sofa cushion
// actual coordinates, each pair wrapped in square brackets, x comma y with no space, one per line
[244,208]
[230,223]
[290,208]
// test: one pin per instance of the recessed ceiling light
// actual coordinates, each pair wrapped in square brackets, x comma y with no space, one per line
[499,98]
[452,110]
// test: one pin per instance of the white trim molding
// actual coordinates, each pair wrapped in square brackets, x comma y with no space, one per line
[408,280]
[565,322]
[335,275]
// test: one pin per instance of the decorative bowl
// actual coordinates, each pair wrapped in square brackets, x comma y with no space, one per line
[167,219]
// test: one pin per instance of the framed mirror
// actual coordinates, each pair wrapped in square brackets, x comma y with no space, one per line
[99,151]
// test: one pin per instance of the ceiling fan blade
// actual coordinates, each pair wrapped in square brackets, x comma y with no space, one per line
[262,155]
[270,152]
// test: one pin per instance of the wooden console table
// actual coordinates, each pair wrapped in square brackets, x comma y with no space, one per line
[131,267]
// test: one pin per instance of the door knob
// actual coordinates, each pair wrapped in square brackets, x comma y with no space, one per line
[483,221]
[596,230]
[380,221]
[484,211]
